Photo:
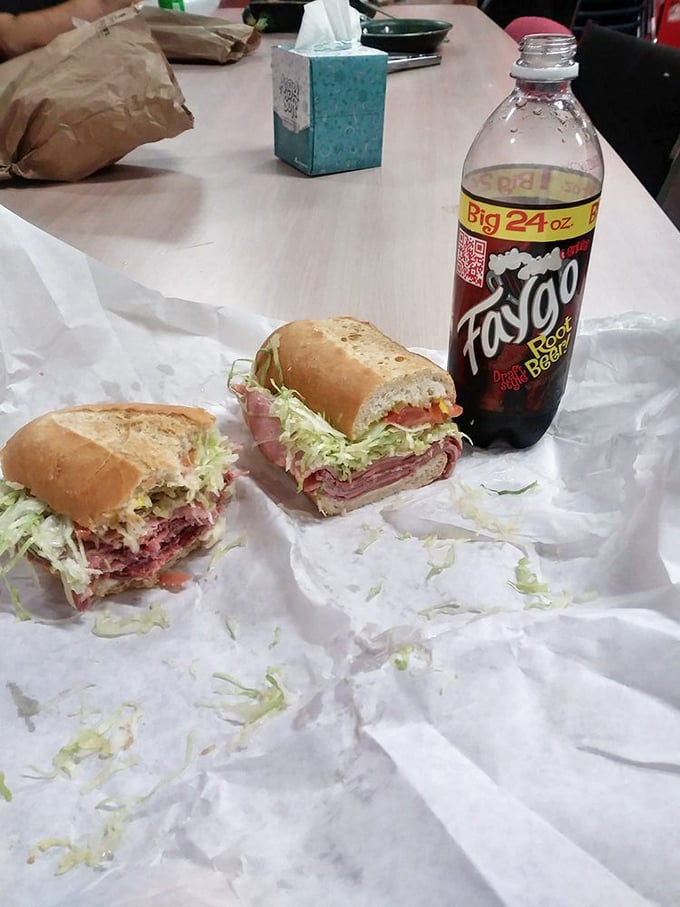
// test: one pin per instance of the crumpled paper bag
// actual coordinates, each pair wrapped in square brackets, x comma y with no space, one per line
[185,37]
[87,99]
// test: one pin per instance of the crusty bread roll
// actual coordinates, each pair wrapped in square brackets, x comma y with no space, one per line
[349,371]
[87,462]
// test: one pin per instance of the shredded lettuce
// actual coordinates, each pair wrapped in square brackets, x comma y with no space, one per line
[268,357]
[107,772]
[99,847]
[27,526]
[401,656]
[201,481]
[511,490]
[259,703]
[212,459]
[526,582]
[5,792]
[563,599]
[312,443]
[374,591]
[20,612]
[451,607]
[372,536]
[470,504]
[94,850]
[449,560]
[107,625]
[105,741]
[214,534]
[238,542]
[539,594]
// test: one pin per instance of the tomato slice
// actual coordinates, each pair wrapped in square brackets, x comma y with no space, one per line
[414,416]
[173,579]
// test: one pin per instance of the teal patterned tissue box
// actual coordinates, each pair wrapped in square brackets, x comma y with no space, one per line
[329,108]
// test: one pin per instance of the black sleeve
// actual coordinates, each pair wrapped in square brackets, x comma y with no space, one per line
[25,6]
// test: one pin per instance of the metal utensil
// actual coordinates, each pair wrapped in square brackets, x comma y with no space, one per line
[395,62]
[377,9]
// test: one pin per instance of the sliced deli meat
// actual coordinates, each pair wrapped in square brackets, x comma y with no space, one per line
[385,472]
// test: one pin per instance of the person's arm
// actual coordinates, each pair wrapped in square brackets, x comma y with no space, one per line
[27,31]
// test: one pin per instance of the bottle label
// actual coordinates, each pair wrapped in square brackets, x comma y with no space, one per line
[520,274]
[549,224]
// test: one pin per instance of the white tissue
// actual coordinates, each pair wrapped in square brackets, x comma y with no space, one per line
[328,24]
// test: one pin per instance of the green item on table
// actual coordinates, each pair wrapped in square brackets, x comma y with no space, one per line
[5,792]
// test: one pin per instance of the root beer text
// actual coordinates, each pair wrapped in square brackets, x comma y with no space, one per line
[548,350]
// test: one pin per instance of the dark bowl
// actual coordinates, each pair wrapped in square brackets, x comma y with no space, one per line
[405,36]
[285,15]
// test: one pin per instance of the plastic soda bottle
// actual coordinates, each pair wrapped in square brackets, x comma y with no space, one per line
[529,199]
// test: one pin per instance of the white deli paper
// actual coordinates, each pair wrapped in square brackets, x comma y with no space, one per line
[378,709]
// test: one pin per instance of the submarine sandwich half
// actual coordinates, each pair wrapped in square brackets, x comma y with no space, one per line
[349,413]
[110,496]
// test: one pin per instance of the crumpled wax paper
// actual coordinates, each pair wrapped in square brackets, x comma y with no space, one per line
[395,723]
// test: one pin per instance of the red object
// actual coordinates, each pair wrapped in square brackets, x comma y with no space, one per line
[668,30]
[414,416]
[173,579]
[535,25]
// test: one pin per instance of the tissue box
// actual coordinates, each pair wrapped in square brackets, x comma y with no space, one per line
[329,108]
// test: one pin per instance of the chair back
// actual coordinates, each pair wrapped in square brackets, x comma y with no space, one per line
[631,90]
[630,17]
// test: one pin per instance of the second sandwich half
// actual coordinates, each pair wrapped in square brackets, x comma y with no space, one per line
[351,415]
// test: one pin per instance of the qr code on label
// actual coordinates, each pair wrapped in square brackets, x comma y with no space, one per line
[471,258]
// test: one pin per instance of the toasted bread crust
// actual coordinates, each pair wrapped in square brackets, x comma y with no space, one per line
[200,417]
[348,371]
[87,461]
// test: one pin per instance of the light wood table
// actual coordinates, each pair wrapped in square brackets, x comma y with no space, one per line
[213,216]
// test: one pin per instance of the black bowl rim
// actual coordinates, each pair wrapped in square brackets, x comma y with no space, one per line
[377,27]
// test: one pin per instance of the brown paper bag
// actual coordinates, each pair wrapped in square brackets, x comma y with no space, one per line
[88,98]
[185,37]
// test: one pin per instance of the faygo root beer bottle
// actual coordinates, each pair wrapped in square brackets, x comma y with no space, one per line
[529,199]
